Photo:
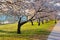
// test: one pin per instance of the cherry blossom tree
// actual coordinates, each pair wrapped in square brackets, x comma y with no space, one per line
[26,10]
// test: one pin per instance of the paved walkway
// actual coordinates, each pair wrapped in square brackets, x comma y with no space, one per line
[55,34]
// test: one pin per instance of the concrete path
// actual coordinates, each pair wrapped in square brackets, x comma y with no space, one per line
[55,34]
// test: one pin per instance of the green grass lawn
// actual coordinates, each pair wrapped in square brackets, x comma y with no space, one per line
[28,32]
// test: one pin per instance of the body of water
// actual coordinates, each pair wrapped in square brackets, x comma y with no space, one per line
[10,18]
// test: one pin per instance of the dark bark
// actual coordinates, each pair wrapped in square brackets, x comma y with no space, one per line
[39,22]
[55,21]
[31,22]
[19,29]
[20,25]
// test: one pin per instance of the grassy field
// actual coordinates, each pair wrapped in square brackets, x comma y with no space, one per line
[29,32]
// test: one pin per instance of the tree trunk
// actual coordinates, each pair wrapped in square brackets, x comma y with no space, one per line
[19,29]
[20,25]
[55,21]
[39,22]
[32,22]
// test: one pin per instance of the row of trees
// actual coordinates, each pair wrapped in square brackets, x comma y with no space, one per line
[33,10]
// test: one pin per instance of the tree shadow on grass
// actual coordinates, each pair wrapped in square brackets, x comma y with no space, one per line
[27,32]
[2,31]
[45,32]
[11,34]
[24,33]
[36,31]
[8,33]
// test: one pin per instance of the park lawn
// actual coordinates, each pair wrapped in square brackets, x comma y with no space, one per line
[28,32]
